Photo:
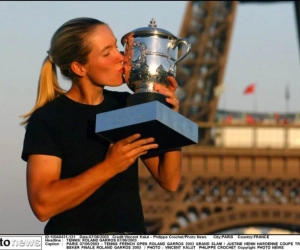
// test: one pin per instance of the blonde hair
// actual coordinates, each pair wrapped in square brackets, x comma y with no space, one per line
[68,44]
[48,88]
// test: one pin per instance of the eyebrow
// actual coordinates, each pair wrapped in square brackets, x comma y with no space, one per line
[108,46]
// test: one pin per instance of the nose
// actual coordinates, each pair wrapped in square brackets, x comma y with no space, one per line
[122,56]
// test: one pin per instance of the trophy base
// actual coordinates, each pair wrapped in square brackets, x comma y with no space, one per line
[144,97]
[153,119]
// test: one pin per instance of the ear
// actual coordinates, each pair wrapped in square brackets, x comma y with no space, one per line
[78,69]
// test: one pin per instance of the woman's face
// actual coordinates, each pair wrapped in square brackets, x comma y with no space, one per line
[104,66]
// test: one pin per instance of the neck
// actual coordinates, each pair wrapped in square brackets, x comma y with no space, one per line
[86,94]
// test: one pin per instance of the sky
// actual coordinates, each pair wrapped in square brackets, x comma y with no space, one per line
[264,50]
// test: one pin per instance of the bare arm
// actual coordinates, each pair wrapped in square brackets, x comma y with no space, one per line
[166,168]
[48,195]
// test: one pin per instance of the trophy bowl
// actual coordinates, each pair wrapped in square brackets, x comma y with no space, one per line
[150,56]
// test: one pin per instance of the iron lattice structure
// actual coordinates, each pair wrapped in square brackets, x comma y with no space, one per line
[224,189]
[208,26]
[220,188]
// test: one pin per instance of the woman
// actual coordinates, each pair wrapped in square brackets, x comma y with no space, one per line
[76,180]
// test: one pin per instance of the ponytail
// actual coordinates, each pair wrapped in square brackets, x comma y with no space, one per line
[48,88]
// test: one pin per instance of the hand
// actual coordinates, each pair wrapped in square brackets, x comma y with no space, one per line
[123,153]
[169,92]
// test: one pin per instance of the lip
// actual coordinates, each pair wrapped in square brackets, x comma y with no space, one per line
[121,70]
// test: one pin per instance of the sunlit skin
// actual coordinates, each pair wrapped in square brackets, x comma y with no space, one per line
[48,194]
[169,92]
[103,68]
[105,62]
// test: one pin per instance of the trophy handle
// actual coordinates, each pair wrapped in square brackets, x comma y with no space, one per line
[177,42]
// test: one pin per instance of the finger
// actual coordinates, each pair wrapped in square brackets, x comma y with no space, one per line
[140,142]
[172,87]
[163,89]
[174,102]
[143,153]
[130,139]
[171,96]
[173,83]
[140,150]
[159,87]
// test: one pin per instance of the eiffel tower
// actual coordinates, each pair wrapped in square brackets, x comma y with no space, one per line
[220,189]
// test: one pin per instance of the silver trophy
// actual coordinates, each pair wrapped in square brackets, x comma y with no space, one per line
[150,56]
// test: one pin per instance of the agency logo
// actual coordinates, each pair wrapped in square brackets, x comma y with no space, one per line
[21,242]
